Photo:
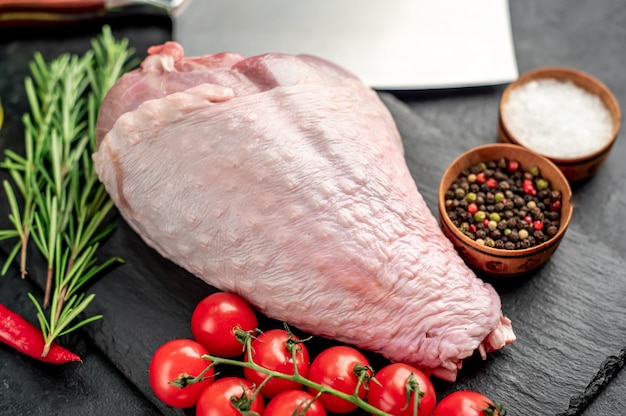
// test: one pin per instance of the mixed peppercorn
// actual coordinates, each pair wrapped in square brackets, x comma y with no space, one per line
[498,204]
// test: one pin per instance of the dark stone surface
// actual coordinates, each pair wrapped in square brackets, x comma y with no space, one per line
[569,317]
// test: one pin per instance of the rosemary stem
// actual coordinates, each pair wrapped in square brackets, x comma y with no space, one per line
[23,249]
[48,291]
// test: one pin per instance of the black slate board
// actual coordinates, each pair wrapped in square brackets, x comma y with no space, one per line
[572,314]
[569,317]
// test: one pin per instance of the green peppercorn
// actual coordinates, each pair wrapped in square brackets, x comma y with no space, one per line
[507,231]
[534,171]
[541,184]
[470,197]
[480,216]
[489,242]
[482,166]
[495,217]
[498,197]
[459,193]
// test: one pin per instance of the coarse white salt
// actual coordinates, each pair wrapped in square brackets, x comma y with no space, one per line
[557,118]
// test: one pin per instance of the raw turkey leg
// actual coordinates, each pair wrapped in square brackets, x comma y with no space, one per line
[282,178]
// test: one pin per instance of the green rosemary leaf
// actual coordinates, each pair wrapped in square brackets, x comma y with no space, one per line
[12,255]
[43,323]
[95,271]
[81,323]
[16,218]
[69,314]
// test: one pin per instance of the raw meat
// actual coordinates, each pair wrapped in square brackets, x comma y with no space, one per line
[282,178]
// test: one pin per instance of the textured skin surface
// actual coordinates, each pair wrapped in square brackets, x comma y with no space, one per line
[283,179]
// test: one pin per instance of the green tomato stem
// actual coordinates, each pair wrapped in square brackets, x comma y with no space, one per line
[352,398]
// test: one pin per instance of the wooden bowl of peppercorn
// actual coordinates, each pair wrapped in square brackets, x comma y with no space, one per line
[505,209]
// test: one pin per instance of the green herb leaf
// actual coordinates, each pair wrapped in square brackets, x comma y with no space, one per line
[55,197]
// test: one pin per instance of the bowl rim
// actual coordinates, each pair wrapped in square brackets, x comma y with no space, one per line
[573,75]
[566,212]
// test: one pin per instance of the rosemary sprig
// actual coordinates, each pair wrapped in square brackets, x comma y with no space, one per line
[62,206]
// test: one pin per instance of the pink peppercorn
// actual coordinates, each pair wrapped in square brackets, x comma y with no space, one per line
[538,225]
[528,187]
[512,166]
[528,219]
[480,177]
[472,208]
[492,183]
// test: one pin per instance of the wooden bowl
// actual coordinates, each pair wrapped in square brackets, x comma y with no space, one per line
[578,169]
[494,262]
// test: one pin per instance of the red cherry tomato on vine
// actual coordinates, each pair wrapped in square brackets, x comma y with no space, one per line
[468,403]
[221,397]
[172,360]
[334,367]
[271,350]
[290,401]
[391,394]
[215,319]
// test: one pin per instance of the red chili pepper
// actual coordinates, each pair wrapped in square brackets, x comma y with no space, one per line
[26,338]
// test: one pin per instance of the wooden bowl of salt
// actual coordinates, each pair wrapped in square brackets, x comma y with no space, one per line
[563,114]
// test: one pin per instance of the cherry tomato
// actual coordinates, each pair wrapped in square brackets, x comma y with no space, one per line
[391,394]
[334,367]
[215,319]
[468,403]
[292,402]
[172,360]
[217,399]
[271,350]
